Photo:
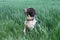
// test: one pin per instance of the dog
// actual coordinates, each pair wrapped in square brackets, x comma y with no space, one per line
[30,19]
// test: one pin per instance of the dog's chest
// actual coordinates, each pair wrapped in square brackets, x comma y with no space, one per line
[30,23]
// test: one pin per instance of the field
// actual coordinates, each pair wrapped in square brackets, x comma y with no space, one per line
[12,19]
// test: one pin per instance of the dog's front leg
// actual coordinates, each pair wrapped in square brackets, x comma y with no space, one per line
[24,31]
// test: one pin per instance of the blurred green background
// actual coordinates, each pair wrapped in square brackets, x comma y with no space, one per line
[12,19]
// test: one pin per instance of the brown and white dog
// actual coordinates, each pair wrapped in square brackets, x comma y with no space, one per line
[30,19]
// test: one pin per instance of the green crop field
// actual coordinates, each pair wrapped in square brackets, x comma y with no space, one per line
[12,19]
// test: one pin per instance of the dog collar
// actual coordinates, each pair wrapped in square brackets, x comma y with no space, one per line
[30,19]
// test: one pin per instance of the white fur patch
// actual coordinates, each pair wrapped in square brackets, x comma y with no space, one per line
[30,24]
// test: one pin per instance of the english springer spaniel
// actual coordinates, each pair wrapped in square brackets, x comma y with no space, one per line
[30,19]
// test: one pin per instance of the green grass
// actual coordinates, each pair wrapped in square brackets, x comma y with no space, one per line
[12,19]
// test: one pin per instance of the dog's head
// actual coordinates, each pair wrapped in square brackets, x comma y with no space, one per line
[30,11]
